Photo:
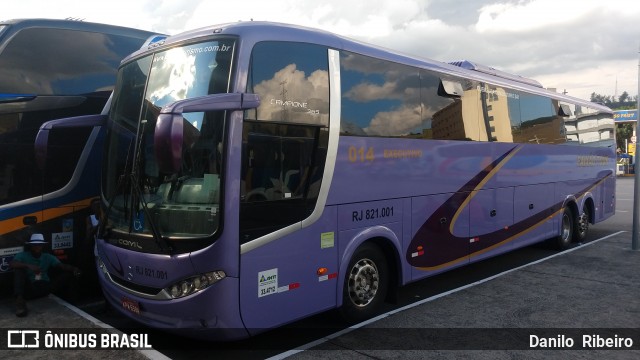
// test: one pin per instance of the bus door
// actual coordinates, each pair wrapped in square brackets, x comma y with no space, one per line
[279,180]
[288,239]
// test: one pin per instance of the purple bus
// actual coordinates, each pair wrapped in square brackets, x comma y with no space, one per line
[257,173]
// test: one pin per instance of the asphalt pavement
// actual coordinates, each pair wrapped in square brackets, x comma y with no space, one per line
[72,334]
[585,301]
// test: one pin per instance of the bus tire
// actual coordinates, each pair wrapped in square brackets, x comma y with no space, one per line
[365,284]
[567,228]
[582,225]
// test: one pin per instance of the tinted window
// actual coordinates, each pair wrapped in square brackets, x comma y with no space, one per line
[62,62]
[586,126]
[540,123]
[292,80]
[500,116]
[17,135]
[64,148]
[379,98]
[452,117]
[74,71]
[19,177]
[285,140]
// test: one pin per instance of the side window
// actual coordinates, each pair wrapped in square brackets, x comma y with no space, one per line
[570,120]
[75,70]
[500,113]
[65,146]
[453,107]
[284,142]
[540,123]
[586,126]
[379,98]
[39,65]
[19,176]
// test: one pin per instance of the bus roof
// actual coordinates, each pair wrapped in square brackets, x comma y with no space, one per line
[15,25]
[18,24]
[257,31]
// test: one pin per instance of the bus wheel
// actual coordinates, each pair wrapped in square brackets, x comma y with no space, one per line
[582,225]
[365,284]
[566,230]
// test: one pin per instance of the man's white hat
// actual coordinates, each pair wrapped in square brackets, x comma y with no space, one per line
[37,239]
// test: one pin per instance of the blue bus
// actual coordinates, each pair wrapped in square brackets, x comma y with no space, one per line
[52,69]
[257,173]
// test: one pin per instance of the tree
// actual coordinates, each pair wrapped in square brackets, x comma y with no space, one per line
[624,101]
[600,99]
[624,132]
[624,97]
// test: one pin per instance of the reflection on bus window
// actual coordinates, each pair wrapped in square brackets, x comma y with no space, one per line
[61,81]
[285,140]
[379,98]
[585,126]
[86,63]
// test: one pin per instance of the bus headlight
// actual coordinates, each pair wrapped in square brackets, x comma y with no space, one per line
[194,284]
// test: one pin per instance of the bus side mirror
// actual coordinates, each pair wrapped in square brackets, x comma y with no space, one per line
[168,140]
[564,110]
[173,133]
[41,143]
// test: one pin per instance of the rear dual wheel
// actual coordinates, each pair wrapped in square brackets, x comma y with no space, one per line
[567,228]
[582,225]
[573,228]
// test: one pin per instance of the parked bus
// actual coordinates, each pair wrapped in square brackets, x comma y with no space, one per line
[51,69]
[257,173]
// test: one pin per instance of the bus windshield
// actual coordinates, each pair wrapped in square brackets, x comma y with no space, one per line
[143,198]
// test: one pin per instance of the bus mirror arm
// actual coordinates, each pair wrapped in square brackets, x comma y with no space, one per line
[215,102]
[173,132]
[41,143]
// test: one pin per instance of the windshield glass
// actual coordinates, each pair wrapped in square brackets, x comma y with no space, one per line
[142,199]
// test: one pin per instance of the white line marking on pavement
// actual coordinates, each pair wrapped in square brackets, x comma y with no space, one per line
[423,301]
[150,354]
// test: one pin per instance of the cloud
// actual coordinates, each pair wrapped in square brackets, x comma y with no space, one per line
[291,90]
[530,15]
[540,39]
[398,122]
[536,38]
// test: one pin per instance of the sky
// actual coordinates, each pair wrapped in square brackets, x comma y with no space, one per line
[576,46]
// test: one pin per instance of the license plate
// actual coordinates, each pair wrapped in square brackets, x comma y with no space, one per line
[131,305]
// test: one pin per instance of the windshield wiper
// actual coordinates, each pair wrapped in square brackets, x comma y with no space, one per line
[122,179]
[138,198]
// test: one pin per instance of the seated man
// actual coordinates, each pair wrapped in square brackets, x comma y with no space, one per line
[31,273]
